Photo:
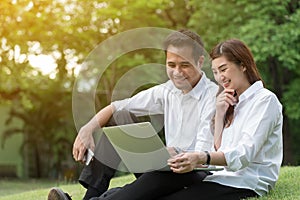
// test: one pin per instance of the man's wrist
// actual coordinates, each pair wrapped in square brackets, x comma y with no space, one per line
[178,150]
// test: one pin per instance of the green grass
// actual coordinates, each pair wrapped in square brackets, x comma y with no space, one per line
[287,187]
[38,189]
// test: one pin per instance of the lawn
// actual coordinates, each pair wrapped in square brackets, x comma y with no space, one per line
[38,189]
[287,187]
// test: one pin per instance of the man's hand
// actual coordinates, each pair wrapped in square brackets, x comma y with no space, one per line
[83,141]
[172,151]
[186,162]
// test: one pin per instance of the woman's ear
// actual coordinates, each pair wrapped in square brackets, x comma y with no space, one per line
[244,68]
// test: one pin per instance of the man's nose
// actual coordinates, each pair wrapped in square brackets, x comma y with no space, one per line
[177,70]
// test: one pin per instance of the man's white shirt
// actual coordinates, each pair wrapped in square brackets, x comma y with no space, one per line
[187,117]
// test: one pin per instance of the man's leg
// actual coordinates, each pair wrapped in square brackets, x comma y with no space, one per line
[97,175]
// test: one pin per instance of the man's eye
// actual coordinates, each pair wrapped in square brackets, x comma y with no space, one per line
[185,65]
[171,65]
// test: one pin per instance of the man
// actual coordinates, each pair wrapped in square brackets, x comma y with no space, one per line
[187,102]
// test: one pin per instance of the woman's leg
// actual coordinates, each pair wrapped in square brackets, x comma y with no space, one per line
[209,191]
[153,185]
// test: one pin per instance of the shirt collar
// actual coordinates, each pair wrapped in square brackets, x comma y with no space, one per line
[251,90]
[198,90]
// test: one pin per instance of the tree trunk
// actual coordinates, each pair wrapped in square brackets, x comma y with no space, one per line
[277,83]
[37,162]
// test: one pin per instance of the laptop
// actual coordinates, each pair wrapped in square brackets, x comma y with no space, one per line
[140,148]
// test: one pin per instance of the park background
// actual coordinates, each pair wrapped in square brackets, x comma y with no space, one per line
[43,42]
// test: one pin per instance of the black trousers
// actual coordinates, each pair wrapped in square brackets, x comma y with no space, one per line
[172,186]
[156,184]
[210,191]
[100,171]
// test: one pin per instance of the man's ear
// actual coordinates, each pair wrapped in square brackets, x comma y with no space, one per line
[200,62]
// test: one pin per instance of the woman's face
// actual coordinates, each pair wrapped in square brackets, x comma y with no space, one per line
[230,75]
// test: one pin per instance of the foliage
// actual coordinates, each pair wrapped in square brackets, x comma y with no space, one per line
[46,118]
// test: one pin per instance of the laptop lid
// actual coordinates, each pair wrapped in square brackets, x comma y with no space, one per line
[139,147]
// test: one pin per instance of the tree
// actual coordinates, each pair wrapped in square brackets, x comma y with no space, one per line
[275,41]
[47,126]
[271,30]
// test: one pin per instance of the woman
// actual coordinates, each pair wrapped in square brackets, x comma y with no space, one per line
[247,132]
[247,137]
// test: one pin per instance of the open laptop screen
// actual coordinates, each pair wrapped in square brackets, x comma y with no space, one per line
[139,147]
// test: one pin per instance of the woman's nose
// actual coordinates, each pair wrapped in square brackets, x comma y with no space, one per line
[221,77]
[218,77]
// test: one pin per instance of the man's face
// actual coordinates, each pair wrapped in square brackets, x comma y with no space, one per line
[182,69]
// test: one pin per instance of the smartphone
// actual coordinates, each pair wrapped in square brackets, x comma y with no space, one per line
[89,154]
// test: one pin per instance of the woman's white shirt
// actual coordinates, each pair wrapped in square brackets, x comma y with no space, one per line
[252,144]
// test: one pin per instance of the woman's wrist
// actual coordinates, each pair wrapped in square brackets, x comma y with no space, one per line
[219,116]
[202,158]
[207,158]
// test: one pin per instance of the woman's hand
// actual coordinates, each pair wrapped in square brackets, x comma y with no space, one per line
[83,141]
[186,162]
[224,100]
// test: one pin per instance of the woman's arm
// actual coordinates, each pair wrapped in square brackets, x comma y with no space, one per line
[219,126]
[186,162]
[224,100]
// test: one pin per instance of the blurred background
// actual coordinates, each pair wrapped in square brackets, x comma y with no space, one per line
[44,42]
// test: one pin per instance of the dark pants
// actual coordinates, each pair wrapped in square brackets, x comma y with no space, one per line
[100,171]
[172,186]
[153,185]
[210,191]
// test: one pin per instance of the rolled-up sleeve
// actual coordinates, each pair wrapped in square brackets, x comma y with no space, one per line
[144,103]
[256,138]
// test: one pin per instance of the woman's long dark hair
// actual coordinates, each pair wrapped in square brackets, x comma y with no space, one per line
[237,52]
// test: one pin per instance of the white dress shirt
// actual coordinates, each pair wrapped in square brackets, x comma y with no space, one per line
[187,117]
[252,144]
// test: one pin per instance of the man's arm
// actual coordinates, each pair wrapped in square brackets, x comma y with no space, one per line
[84,138]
